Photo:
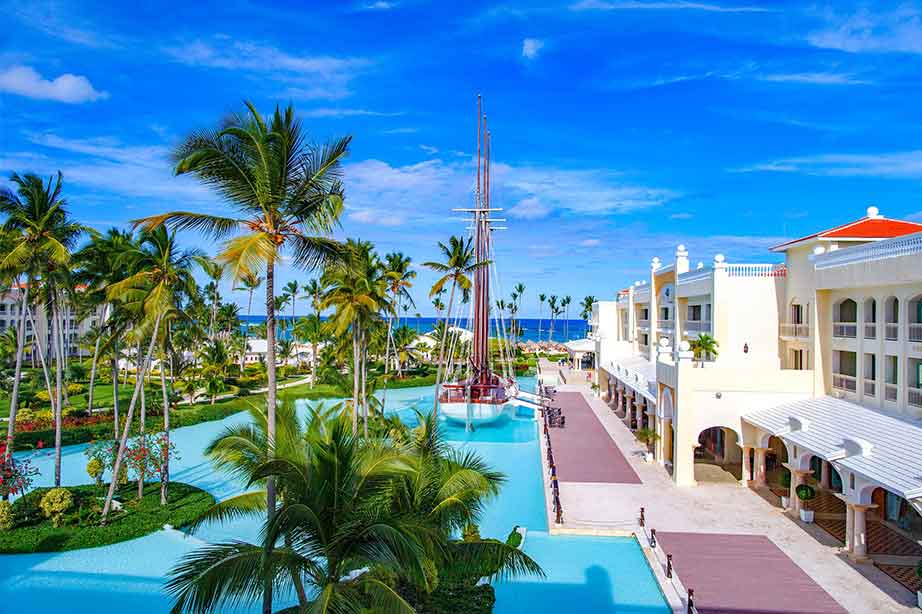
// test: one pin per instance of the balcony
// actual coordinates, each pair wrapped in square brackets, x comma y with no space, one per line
[848,383]
[845,330]
[914,396]
[698,326]
[890,392]
[665,326]
[801,331]
[870,388]
[643,323]
[870,330]
[891,331]
[915,332]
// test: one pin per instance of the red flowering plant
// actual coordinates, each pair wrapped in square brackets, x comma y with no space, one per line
[138,457]
[162,451]
[16,476]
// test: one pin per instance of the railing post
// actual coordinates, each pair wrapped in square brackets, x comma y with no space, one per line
[653,538]
[642,518]
[669,566]
[691,600]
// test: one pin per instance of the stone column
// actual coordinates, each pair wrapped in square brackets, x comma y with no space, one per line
[759,472]
[666,445]
[747,469]
[654,313]
[639,411]
[825,475]
[797,478]
[658,444]
[859,551]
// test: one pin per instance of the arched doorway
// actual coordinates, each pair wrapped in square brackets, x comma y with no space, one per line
[718,457]
[777,476]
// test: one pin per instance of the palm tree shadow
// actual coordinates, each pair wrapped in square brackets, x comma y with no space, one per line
[593,595]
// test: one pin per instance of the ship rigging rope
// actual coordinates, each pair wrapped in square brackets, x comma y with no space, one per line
[501,320]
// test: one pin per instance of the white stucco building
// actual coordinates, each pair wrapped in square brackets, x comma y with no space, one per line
[818,369]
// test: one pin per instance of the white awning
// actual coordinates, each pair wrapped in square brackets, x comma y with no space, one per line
[637,373]
[882,447]
[580,346]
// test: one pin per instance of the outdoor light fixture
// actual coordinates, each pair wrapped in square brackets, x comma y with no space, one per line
[745,348]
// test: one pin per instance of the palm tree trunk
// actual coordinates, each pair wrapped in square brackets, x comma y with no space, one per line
[114,367]
[355,377]
[364,359]
[58,396]
[17,375]
[445,334]
[165,447]
[123,441]
[143,419]
[271,394]
[41,359]
[89,398]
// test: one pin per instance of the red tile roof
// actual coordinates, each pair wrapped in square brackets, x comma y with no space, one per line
[870,227]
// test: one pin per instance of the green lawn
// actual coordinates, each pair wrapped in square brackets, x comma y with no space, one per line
[35,533]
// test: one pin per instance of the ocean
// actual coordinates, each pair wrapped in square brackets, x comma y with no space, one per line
[564,330]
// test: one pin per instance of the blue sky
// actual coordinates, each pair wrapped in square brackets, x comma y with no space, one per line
[621,127]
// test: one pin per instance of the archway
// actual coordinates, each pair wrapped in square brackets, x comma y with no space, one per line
[718,457]
[777,476]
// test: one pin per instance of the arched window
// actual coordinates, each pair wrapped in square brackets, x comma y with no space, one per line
[892,318]
[870,318]
[845,318]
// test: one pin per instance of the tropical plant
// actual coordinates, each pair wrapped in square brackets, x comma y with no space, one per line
[459,261]
[565,303]
[703,347]
[541,298]
[586,307]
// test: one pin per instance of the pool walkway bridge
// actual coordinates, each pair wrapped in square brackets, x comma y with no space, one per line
[733,549]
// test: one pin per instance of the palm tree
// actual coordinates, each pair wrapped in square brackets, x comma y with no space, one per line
[250,282]
[586,307]
[161,273]
[314,290]
[541,299]
[40,236]
[565,303]
[289,195]
[459,262]
[310,330]
[404,347]
[399,280]
[215,271]
[291,290]
[552,307]
[704,346]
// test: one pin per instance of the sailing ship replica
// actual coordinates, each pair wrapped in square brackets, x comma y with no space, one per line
[475,393]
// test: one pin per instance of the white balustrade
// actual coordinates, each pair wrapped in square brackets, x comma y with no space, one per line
[908,245]
[756,270]
[890,392]
[914,396]
[915,331]
[870,330]
[795,330]
[870,388]
[891,331]
[848,330]
[844,382]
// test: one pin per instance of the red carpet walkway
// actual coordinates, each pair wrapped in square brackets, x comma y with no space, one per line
[583,450]
[743,573]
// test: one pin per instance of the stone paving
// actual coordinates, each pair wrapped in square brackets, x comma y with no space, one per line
[719,508]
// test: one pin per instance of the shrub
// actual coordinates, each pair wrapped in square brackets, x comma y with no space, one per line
[919,570]
[95,469]
[43,396]
[785,479]
[805,492]
[75,389]
[55,504]
[76,372]
[6,516]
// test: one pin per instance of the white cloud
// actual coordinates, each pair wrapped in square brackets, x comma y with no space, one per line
[400,131]
[305,76]
[675,5]
[530,208]
[681,216]
[873,31]
[815,78]
[526,191]
[53,20]
[336,112]
[380,5]
[896,165]
[590,243]
[107,164]
[429,149]
[26,81]
[531,47]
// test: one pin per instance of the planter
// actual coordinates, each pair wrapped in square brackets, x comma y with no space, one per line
[785,502]
[648,457]
[806,515]
[919,599]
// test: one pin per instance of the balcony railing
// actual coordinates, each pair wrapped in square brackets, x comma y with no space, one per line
[665,325]
[848,330]
[698,326]
[643,323]
[795,330]
[891,331]
[870,330]
[844,382]
[890,392]
[756,270]
[908,245]
[914,396]
[915,331]
[870,388]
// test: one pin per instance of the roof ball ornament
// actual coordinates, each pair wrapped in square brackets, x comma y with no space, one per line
[874,212]
[684,346]
[664,342]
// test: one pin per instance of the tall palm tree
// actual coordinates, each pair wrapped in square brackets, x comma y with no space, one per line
[565,303]
[552,308]
[541,298]
[399,280]
[41,236]
[289,196]
[314,290]
[586,307]
[291,290]
[310,330]
[161,272]
[459,262]
[250,282]
[215,270]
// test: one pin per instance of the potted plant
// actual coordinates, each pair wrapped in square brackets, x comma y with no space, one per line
[919,576]
[648,437]
[805,493]
[786,485]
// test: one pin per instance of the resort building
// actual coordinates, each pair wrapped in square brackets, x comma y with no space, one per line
[38,327]
[804,371]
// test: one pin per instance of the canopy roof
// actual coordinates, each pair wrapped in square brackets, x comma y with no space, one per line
[580,345]
[882,447]
[637,373]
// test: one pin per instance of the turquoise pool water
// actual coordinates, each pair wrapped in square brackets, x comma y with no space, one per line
[586,574]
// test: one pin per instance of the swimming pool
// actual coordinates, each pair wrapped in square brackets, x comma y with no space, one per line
[605,575]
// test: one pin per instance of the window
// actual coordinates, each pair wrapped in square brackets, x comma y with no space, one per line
[798,360]
[891,369]
[851,481]
[797,313]
[694,313]
[644,314]
[870,366]
[664,313]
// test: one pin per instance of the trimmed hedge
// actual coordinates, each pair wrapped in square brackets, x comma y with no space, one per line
[80,523]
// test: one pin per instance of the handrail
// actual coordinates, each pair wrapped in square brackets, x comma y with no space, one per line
[907,245]
[665,561]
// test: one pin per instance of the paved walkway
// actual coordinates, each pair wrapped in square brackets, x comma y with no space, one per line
[743,573]
[727,509]
[583,450]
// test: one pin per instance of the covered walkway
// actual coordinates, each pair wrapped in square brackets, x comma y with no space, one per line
[583,450]
[743,573]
